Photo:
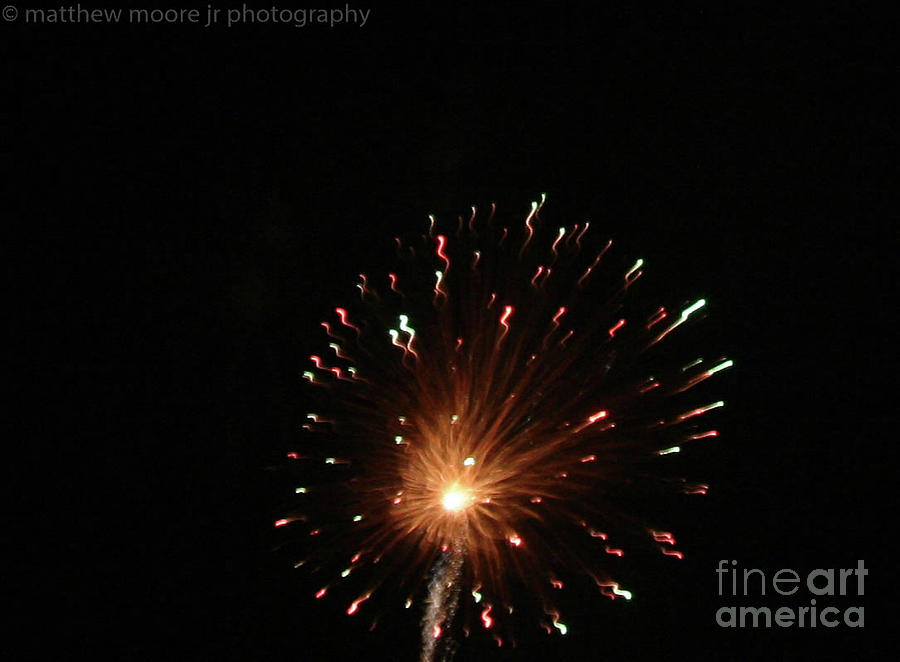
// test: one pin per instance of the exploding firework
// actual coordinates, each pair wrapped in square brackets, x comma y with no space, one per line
[485,415]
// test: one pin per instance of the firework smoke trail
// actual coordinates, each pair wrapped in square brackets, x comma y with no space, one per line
[486,416]
[442,601]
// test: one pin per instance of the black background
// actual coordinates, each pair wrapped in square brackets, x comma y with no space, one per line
[189,203]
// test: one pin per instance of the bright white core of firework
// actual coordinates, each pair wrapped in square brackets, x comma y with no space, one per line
[455,499]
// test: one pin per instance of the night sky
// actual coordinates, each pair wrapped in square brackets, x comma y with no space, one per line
[188,203]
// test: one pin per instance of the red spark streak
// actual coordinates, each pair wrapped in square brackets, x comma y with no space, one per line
[618,325]
[657,317]
[556,243]
[345,321]
[507,312]
[442,242]
[354,606]
[559,314]
[486,617]
[581,234]
[530,227]
[599,415]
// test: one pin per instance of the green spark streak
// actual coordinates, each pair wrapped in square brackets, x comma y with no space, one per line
[692,364]
[637,265]
[406,328]
[687,312]
[721,366]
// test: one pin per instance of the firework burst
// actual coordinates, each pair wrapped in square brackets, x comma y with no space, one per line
[485,413]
